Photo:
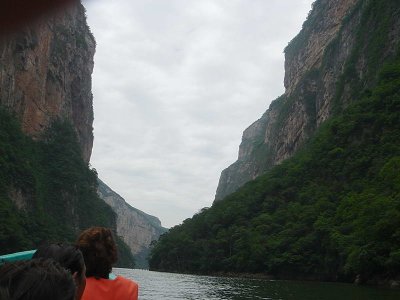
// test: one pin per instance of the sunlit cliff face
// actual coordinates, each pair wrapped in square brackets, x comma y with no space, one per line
[45,74]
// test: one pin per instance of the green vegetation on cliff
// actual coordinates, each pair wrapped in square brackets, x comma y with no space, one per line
[47,191]
[331,212]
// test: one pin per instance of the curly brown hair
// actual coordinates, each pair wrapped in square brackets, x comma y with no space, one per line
[99,251]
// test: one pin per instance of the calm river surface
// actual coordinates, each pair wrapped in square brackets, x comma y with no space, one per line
[156,286]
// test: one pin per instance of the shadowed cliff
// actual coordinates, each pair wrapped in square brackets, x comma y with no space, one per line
[315,61]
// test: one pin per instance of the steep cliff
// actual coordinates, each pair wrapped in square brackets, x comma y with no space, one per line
[45,85]
[47,190]
[316,61]
[45,74]
[330,211]
[136,228]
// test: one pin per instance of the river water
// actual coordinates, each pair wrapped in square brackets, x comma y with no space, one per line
[157,286]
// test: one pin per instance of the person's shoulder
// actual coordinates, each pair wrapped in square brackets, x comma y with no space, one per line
[130,287]
[126,281]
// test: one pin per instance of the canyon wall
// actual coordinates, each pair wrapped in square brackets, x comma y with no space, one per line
[45,74]
[315,61]
[136,228]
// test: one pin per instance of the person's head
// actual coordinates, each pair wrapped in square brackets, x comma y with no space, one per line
[99,251]
[69,257]
[36,279]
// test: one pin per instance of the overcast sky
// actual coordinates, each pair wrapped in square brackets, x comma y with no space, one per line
[175,84]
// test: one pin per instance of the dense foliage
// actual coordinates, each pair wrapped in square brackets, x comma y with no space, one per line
[47,191]
[331,212]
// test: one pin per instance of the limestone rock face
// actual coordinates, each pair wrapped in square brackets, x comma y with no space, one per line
[136,228]
[315,60]
[45,74]
[318,38]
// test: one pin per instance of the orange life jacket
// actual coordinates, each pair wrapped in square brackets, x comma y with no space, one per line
[105,289]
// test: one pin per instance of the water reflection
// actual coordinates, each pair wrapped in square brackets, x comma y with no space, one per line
[155,285]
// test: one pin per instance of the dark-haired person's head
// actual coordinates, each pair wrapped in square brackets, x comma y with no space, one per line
[36,279]
[99,251]
[69,257]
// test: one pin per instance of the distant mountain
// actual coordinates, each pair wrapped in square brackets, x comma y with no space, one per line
[136,228]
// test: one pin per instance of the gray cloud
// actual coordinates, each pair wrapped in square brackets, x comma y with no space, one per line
[175,84]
